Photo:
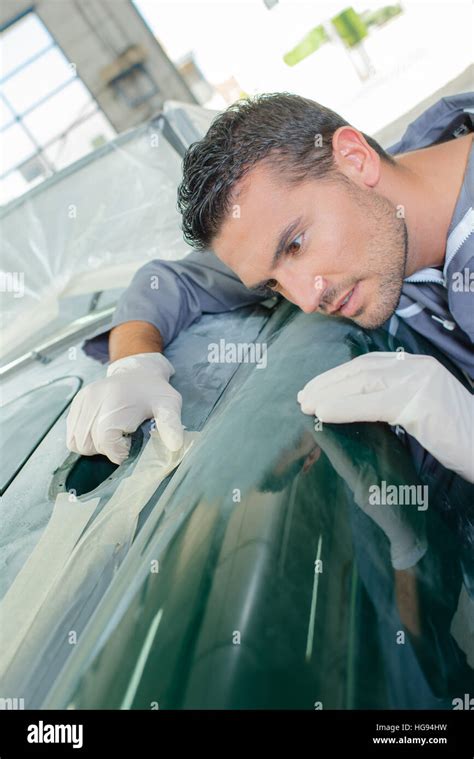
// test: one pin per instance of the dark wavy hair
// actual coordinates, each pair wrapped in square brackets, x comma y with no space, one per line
[279,127]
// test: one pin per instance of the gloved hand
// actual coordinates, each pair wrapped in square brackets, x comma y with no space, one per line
[413,391]
[136,388]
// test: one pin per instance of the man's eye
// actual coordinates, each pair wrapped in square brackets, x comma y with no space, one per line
[295,246]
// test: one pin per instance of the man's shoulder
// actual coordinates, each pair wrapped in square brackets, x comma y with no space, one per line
[448,118]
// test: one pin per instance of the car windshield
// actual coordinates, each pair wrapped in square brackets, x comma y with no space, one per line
[289,576]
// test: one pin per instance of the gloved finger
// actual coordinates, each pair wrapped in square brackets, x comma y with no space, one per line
[83,450]
[71,423]
[114,445]
[127,418]
[168,423]
[370,364]
[353,386]
[78,422]
[363,407]
[108,430]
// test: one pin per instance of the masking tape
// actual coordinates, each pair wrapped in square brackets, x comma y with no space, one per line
[46,587]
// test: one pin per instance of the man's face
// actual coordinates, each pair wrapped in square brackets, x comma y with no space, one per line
[335,239]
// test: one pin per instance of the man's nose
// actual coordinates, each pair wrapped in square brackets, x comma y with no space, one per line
[302,289]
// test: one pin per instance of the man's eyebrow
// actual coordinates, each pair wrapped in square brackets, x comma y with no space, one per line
[284,239]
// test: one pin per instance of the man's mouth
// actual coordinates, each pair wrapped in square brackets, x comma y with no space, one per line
[347,298]
[347,304]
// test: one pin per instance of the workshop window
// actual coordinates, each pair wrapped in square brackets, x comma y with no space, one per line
[48,118]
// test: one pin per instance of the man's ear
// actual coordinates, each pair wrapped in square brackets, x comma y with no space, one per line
[354,157]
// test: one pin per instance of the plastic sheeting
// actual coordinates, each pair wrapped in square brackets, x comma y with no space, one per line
[188,121]
[92,225]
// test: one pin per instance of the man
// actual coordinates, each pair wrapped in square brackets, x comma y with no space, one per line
[295,201]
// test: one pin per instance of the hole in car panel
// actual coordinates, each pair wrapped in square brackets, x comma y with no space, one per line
[88,473]
[83,474]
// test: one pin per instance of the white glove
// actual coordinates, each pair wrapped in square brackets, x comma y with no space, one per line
[136,388]
[413,391]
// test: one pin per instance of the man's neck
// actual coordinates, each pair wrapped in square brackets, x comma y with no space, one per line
[427,183]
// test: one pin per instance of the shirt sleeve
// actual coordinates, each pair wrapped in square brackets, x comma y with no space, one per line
[171,295]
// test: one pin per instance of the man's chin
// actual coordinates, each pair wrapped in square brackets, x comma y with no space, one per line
[375,315]
[366,323]
[371,321]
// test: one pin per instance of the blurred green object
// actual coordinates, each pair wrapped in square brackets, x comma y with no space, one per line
[312,42]
[350,27]
[381,15]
